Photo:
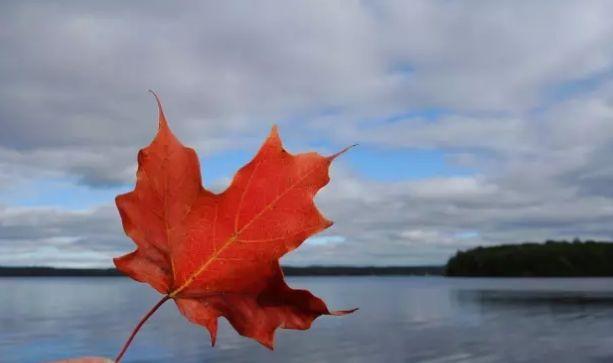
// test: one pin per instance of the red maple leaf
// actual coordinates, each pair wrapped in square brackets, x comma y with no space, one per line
[218,254]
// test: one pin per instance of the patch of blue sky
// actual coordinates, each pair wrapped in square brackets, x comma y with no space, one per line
[223,165]
[425,113]
[391,165]
[373,163]
[570,89]
[404,69]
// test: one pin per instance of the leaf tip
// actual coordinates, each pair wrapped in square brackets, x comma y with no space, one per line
[267,339]
[337,154]
[274,134]
[162,123]
[273,141]
[269,344]
[343,312]
[212,328]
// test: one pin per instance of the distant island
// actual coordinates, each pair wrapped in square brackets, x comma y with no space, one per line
[288,270]
[549,259]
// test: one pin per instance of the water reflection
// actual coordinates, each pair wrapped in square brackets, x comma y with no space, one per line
[561,304]
[401,319]
[534,298]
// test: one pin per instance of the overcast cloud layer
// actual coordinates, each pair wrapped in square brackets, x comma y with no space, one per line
[518,95]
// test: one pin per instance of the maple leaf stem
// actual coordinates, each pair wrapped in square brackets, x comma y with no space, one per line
[138,326]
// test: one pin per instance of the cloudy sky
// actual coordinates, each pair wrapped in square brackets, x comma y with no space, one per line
[479,122]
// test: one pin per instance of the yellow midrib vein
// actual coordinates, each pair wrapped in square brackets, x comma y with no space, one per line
[235,236]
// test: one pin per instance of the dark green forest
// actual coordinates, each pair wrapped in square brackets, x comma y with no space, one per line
[549,259]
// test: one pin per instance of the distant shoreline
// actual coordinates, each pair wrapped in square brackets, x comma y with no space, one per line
[550,259]
[288,270]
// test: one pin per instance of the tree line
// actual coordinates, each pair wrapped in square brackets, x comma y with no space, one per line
[549,259]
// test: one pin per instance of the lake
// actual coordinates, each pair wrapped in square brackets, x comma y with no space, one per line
[401,319]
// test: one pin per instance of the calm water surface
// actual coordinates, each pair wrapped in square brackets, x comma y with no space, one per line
[401,319]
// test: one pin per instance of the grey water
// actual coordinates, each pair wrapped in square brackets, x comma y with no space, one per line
[401,319]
